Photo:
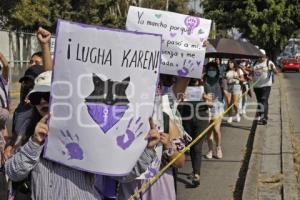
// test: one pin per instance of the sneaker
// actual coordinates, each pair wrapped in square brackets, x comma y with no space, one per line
[238,118]
[244,111]
[263,122]
[209,155]
[229,120]
[190,176]
[196,180]
[219,154]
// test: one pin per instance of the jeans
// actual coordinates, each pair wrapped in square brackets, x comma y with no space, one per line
[194,126]
[262,96]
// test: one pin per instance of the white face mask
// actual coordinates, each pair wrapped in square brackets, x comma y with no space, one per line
[211,74]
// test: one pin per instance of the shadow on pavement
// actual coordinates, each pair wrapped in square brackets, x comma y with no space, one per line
[239,186]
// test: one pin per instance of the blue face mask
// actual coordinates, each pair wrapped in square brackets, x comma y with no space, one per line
[211,74]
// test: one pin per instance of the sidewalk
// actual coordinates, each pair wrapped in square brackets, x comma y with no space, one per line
[271,172]
[221,179]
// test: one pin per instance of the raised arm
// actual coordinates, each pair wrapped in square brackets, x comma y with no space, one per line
[44,37]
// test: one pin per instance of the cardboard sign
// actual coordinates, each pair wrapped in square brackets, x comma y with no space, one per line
[103,91]
[183,36]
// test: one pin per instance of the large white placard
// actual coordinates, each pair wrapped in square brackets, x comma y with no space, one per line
[103,92]
[183,36]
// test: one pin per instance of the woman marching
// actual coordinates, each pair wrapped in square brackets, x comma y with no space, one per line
[213,87]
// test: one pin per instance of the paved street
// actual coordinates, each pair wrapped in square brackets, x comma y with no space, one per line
[292,89]
[219,178]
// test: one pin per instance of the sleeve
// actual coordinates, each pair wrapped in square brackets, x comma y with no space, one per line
[140,167]
[271,65]
[241,72]
[18,166]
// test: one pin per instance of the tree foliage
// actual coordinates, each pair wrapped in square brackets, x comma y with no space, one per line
[267,23]
[29,14]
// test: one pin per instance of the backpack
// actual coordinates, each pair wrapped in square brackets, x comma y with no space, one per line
[270,73]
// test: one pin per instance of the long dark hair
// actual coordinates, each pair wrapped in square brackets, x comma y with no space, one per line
[234,63]
[214,65]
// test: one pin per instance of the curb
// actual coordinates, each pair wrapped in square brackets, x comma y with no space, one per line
[272,146]
[290,190]
[250,191]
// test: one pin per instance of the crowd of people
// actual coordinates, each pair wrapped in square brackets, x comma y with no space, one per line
[222,85]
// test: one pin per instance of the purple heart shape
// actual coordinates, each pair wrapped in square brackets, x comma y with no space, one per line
[198,62]
[106,116]
[173,34]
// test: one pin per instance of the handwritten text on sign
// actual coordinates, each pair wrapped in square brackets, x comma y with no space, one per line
[103,90]
[183,37]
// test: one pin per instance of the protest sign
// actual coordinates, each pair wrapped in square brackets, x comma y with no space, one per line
[183,36]
[194,93]
[103,92]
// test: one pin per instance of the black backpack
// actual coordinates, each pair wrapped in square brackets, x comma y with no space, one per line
[270,73]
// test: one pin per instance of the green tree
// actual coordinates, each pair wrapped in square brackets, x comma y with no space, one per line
[267,23]
[29,14]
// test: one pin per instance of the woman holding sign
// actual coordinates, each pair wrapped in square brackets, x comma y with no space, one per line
[44,179]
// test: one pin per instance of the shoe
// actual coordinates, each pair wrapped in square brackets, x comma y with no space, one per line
[196,180]
[238,118]
[229,120]
[209,155]
[244,111]
[219,154]
[190,176]
[263,122]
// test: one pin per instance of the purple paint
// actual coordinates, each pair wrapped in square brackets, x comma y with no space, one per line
[191,23]
[151,172]
[75,151]
[71,144]
[59,24]
[183,72]
[106,116]
[173,34]
[198,63]
[121,141]
[124,141]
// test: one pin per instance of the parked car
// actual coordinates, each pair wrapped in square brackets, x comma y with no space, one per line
[290,64]
[281,57]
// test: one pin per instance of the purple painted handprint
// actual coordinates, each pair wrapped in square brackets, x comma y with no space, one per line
[124,141]
[187,67]
[71,145]
[153,168]
[150,173]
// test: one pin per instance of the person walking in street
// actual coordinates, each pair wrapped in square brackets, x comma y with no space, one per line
[233,76]
[245,86]
[262,76]
[194,112]
[212,85]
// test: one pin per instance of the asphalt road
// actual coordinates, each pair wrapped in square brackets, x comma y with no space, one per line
[292,91]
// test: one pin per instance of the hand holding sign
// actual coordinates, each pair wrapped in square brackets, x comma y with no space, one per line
[41,130]
[153,135]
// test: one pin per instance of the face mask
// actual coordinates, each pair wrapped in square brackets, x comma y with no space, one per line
[211,74]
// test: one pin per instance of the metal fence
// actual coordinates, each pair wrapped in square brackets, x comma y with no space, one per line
[17,47]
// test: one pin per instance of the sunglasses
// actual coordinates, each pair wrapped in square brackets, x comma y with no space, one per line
[35,98]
